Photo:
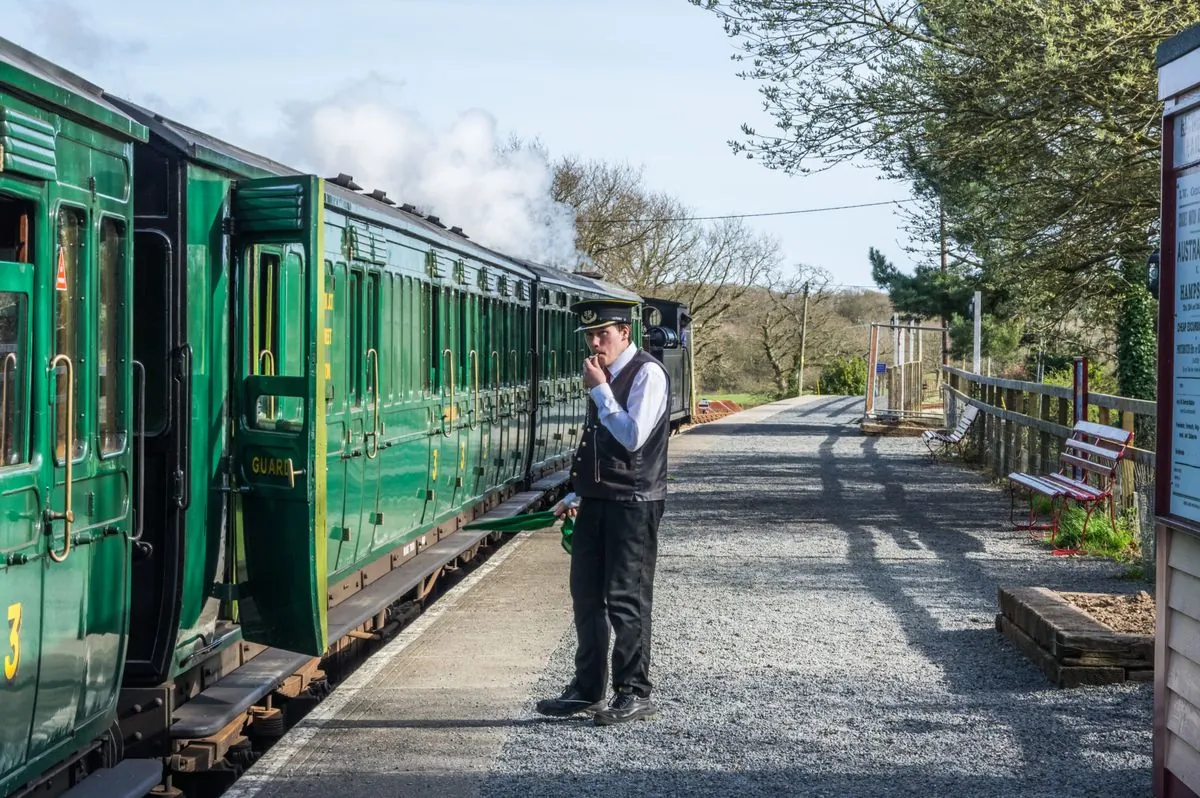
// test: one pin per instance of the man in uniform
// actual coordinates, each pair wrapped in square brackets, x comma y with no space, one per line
[619,484]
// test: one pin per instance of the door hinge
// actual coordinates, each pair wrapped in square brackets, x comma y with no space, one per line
[225,591]
[177,486]
[228,479]
[229,225]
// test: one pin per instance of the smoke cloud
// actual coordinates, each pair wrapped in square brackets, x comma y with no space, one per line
[498,193]
[66,34]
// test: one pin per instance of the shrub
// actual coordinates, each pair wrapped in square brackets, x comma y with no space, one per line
[845,377]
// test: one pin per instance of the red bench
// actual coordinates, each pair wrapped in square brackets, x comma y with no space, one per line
[1089,462]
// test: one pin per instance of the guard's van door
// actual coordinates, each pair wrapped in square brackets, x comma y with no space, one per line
[279,429]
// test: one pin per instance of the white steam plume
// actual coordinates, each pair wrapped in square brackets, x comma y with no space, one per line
[500,196]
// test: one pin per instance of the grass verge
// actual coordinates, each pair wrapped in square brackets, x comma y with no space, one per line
[1104,539]
[744,400]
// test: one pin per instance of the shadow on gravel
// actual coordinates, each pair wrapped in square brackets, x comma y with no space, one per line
[618,781]
[768,429]
[866,494]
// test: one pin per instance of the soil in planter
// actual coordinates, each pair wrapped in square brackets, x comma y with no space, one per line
[1128,613]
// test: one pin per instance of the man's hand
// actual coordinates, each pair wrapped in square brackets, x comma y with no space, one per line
[593,373]
[569,506]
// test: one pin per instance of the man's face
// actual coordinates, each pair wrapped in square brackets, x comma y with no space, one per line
[607,343]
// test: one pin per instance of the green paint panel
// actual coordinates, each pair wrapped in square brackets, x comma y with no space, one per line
[269,206]
[27,145]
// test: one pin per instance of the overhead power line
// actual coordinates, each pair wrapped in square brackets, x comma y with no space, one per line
[746,215]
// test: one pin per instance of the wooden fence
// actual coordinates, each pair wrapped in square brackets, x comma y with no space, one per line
[1022,426]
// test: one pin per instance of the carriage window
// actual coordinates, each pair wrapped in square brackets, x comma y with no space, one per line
[371,338]
[110,335]
[264,321]
[68,325]
[13,407]
[275,331]
[151,263]
[15,232]
[356,337]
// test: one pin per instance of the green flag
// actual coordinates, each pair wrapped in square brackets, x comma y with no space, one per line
[516,523]
[528,521]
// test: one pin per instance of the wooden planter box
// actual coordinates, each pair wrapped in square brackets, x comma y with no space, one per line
[1071,647]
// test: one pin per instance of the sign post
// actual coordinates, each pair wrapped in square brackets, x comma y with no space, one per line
[1177,448]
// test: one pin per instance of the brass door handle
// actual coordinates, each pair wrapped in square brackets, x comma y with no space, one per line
[67,515]
[292,471]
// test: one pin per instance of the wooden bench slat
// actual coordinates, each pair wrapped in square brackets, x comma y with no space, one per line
[1091,448]
[1038,484]
[1103,469]
[1080,490]
[1104,432]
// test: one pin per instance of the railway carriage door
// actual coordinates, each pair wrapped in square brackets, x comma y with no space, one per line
[22,547]
[279,433]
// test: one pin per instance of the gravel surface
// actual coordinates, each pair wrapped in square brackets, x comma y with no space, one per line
[823,626]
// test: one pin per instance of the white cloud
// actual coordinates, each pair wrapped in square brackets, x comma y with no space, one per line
[500,195]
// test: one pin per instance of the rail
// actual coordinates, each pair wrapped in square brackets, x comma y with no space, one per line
[1022,426]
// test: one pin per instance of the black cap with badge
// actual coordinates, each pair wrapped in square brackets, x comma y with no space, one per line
[597,313]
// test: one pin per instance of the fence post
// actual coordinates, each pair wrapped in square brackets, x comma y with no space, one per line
[1043,436]
[1006,435]
[1064,419]
[1127,484]
[1029,406]
[980,431]
[997,428]
[1080,390]
[873,356]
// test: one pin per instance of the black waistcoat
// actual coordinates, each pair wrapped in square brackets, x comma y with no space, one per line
[604,469]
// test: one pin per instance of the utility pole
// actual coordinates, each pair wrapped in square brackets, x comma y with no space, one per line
[977,304]
[945,321]
[803,335]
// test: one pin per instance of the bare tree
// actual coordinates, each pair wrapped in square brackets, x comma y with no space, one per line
[650,243]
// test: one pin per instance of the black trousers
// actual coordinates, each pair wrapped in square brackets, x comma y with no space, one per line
[613,552]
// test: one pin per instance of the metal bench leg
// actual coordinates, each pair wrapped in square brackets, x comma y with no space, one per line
[1091,508]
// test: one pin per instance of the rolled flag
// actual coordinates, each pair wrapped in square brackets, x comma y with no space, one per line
[525,522]
[516,523]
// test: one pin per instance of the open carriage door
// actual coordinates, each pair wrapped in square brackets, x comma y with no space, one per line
[279,434]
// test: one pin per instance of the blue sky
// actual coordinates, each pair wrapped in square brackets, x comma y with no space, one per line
[649,83]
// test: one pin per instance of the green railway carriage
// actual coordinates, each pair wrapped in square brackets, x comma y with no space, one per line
[427,400]
[66,413]
[561,397]
[328,386]
[375,401]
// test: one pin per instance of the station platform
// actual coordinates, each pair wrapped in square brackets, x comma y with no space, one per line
[823,625]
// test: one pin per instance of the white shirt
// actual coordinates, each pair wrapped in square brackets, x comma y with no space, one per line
[648,399]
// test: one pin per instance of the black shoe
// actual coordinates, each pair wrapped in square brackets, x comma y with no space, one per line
[571,702]
[626,706]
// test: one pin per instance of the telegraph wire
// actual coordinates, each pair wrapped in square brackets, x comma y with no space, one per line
[747,215]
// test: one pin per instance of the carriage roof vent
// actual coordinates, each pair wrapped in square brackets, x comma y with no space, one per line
[379,194]
[458,231]
[409,208]
[345,181]
[595,275]
[434,220]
